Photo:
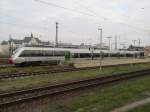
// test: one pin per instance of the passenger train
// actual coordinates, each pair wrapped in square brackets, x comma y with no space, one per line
[37,55]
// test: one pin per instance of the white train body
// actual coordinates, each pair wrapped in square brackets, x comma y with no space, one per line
[47,54]
[18,59]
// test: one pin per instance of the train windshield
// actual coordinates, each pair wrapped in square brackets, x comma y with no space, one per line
[14,52]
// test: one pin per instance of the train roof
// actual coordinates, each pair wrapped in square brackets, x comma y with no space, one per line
[83,50]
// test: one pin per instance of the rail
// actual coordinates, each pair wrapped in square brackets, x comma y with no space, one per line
[68,69]
[7,99]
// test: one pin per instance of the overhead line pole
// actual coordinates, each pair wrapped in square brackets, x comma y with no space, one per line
[139,42]
[10,46]
[134,42]
[116,42]
[100,53]
[56,40]
[109,45]
[109,38]
[148,34]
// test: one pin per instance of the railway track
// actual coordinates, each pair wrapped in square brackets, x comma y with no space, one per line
[5,66]
[13,98]
[67,69]
[24,74]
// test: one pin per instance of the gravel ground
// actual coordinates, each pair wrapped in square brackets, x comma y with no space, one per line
[89,63]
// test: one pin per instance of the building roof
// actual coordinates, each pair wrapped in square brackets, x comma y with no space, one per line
[38,40]
[45,43]
[135,48]
[25,40]
[4,42]
[28,39]
[17,41]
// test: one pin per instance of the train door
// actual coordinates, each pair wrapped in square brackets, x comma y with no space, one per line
[67,55]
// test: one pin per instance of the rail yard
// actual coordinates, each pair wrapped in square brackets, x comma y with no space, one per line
[32,94]
[36,73]
[74,56]
[34,83]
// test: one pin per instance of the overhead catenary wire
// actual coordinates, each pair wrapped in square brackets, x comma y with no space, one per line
[65,8]
[91,11]
[81,34]
[92,14]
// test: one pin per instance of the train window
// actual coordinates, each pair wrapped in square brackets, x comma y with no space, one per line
[41,53]
[48,53]
[34,53]
[96,54]
[85,55]
[25,53]
[75,55]
[59,53]
[22,54]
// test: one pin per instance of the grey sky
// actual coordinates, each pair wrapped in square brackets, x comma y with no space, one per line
[127,18]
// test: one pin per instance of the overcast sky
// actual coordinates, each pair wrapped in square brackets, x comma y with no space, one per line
[78,20]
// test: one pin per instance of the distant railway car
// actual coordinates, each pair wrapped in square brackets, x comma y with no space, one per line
[36,55]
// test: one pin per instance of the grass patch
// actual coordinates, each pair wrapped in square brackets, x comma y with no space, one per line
[106,99]
[35,81]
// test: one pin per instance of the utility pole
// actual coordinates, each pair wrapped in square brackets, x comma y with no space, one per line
[109,44]
[109,38]
[56,41]
[100,53]
[133,49]
[139,42]
[10,46]
[134,42]
[148,35]
[116,42]
[124,47]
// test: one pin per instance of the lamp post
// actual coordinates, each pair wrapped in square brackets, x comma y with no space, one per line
[100,53]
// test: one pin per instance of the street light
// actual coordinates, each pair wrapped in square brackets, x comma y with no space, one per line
[100,53]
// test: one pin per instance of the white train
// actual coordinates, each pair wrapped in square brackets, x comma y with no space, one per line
[36,55]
